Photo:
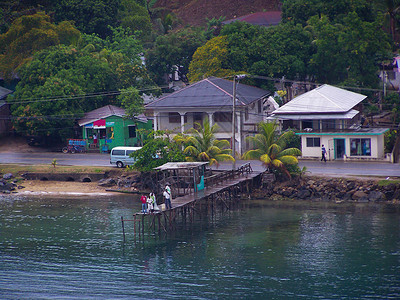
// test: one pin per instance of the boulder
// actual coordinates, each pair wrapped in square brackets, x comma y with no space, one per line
[8,176]
[304,193]
[360,196]
[376,196]
[107,182]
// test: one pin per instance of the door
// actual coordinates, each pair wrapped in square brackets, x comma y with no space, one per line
[340,149]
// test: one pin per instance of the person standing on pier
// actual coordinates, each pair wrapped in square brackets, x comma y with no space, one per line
[167,195]
[143,199]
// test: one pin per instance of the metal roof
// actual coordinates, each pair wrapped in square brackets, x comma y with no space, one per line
[180,165]
[104,112]
[324,99]
[330,116]
[359,131]
[210,92]
[4,92]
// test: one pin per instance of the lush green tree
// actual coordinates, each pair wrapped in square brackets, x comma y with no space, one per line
[156,152]
[300,11]
[52,89]
[270,148]
[174,49]
[202,145]
[349,52]
[135,16]
[210,60]
[90,16]
[29,34]
[131,101]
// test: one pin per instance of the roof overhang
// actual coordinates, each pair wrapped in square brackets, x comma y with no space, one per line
[330,116]
[180,165]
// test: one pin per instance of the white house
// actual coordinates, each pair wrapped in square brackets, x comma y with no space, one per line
[329,116]
[212,98]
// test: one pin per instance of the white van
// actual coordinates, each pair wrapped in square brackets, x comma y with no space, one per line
[120,156]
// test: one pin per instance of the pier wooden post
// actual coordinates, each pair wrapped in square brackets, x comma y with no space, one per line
[123,227]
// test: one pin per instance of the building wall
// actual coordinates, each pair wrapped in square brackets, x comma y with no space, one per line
[376,146]
[116,132]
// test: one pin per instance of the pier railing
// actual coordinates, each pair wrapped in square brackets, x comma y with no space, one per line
[222,176]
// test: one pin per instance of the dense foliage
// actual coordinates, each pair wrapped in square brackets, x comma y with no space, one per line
[156,152]
[202,145]
[271,148]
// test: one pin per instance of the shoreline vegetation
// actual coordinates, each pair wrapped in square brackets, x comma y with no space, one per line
[336,190]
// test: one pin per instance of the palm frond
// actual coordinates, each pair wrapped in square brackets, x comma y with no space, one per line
[289,160]
[253,154]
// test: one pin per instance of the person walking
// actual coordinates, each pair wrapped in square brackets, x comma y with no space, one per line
[143,199]
[150,204]
[323,150]
[167,195]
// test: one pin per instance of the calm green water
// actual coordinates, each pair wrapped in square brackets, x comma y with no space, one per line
[72,248]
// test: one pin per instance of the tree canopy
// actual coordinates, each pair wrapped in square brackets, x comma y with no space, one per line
[29,34]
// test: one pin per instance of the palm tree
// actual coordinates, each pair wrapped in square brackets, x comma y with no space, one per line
[271,149]
[202,145]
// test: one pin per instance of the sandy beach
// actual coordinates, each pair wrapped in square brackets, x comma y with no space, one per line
[37,187]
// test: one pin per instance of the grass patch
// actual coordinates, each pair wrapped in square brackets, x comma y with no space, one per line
[388,182]
[20,169]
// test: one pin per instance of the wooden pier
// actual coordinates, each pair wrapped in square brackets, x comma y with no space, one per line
[223,190]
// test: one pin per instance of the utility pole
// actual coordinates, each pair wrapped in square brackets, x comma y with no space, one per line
[236,77]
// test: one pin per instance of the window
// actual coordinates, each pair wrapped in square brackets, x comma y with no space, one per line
[223,116]
[313,142]
[176,118]
[118,152]
[132,131]
[246,114]
[360,147]
[259,104]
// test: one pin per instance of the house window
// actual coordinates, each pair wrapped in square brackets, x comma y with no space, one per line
[175,118]
[360,147]
[132,131]
[223,116]
[313,142]
[259,103]
[246,114]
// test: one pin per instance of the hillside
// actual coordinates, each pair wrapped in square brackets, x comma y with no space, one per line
[195,12]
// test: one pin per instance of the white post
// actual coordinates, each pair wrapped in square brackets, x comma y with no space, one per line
[239,120]
[155,121]
[182,122]
[210,119]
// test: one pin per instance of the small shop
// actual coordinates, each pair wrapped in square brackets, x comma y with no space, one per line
[361,144]
[107,127]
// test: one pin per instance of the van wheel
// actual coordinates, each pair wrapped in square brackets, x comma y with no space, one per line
[120,164]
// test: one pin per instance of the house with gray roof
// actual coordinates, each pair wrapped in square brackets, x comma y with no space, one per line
[330,116]
[211,98]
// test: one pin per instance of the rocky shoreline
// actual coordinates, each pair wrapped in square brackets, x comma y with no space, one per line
[337,190]
[310,188]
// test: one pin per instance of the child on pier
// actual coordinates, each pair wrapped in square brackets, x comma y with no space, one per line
[143,199]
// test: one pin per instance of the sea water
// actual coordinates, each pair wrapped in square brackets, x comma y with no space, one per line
[56,248]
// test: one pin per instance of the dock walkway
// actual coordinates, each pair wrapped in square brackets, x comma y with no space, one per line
[223,190]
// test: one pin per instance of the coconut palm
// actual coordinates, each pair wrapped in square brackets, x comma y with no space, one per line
[271,149]
[202,145]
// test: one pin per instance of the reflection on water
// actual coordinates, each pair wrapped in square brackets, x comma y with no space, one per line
[72,248]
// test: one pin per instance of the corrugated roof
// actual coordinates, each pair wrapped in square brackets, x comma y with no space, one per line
[104,112]
[265,18]
[180,165]
[210,92]
[340,116]
[324,99]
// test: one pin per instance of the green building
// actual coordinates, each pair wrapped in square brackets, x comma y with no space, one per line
[108,127]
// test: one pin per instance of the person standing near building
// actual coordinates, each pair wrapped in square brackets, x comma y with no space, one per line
[323,150]
[167,195]
[94,139]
